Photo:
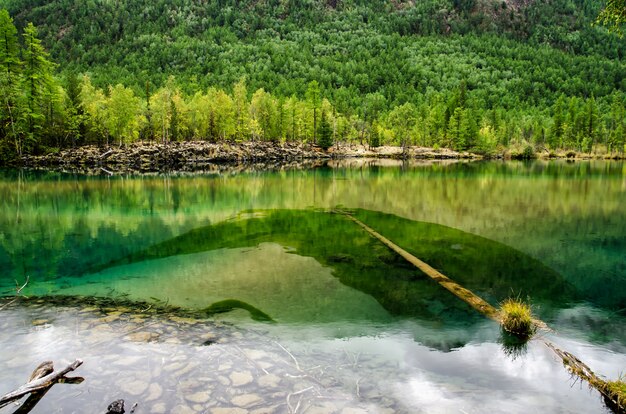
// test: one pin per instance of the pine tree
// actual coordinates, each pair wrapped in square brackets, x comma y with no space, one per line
[455,129]
[38,86]
[313,97]
[617,130]
[591,124]
[10,66]
[558,126]
[325,133]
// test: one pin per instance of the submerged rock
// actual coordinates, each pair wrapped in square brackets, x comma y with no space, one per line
[246,400]
[154,392]
[239,379]
[199,397]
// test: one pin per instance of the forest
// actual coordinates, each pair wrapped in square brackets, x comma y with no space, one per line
[477,75]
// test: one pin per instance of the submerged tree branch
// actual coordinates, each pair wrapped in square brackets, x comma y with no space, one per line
[39,383]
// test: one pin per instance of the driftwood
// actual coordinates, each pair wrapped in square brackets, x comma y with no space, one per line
[41,371]
[39,383]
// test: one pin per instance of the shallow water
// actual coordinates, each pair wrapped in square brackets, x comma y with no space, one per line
[349,311]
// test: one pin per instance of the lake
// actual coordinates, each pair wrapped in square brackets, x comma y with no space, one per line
[239,291]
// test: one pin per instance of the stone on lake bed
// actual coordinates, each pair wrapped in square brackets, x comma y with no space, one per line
[111,317]
[40,322]
[199,397]
[136,387]
[142,336]
[179,319]
[241,378]
[246,400]
[264,410]
[269,381]
[228,410]
[158,408]
[190,367]
[183,409]
[154,392]
[256,354]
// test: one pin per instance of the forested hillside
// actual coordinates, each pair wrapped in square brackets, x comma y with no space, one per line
[469,74]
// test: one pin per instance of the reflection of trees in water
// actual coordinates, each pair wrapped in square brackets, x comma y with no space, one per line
[44,254]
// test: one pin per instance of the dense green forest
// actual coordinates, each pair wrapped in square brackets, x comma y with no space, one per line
[466,74]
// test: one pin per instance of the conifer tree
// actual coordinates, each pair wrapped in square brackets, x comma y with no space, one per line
[325,133]
[558,126]
[10,66]
[313,97]
[38,87]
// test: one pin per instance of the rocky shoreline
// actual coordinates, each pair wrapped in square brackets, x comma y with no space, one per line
[200,155]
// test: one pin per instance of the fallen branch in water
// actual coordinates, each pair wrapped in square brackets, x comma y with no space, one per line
[18,291]
[579,369]
[40,380]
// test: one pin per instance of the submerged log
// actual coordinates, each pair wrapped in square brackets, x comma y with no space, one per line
[466,295]
[575,366]
[578,368]
[42,378]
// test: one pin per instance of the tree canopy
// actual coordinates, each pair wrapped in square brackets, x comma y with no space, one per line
[467,75]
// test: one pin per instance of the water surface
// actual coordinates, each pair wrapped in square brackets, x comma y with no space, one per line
[553,232]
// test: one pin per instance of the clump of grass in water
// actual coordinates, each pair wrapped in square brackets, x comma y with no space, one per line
[517,318]
[616,391]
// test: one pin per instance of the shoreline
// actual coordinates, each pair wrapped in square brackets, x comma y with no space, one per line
[192,156]
[202,156]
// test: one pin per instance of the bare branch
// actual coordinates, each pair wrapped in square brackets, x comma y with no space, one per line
[39,384]
[18,291]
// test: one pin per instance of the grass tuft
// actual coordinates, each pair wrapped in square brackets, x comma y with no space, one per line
[616,390]
[517,318]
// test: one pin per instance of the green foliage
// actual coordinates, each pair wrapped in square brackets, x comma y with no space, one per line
[375,137]
[528,153]
[613,15]
[402,120]
[466,75]
[10,66]
[124,114]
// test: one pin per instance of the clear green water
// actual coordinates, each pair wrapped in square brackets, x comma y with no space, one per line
[554,232]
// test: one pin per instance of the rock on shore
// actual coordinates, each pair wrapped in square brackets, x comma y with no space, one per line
[144,157]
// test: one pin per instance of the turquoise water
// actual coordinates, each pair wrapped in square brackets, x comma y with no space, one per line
[550,232]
